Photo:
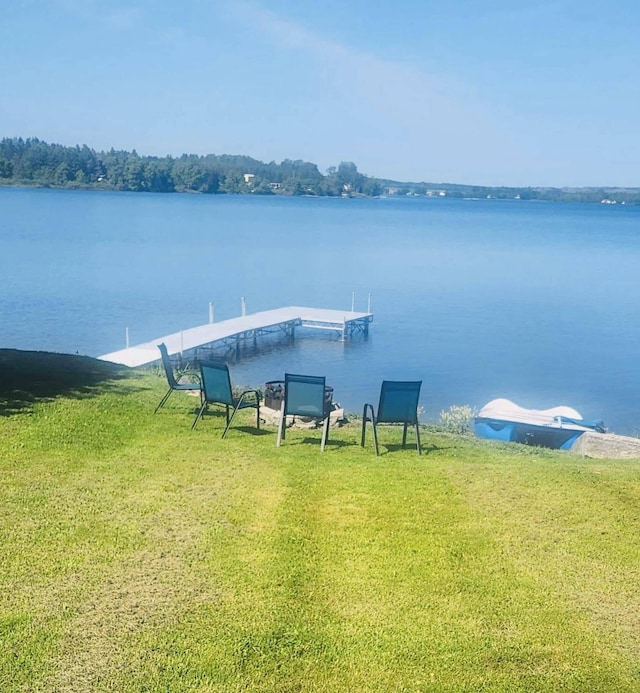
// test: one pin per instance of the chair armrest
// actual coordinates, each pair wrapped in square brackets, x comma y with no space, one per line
[364,413]
[192,375]
[255,393]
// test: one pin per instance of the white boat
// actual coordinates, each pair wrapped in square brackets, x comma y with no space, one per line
[558,427]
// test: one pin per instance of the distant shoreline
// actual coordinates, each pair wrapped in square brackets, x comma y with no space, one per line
[36,164]
[630,197]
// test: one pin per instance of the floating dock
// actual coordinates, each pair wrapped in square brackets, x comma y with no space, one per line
[231,334]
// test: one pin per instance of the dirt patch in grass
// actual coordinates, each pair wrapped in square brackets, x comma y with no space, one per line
[150,590]
[147,590]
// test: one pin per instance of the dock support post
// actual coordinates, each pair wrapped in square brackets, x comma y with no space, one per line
[353,301]
[344,330]
[243,307]
[126,336]
[369,304]
[210,312]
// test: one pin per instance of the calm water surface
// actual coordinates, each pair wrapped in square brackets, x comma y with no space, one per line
[536,302]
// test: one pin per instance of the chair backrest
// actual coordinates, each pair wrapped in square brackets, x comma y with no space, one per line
[399,401]
[304,395]
[168,366]
[216,382]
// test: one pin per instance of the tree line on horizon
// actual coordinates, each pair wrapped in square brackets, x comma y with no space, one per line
[33,162]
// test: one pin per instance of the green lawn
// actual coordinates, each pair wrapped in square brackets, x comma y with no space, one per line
[139,556]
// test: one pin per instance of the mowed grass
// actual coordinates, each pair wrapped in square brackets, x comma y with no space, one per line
[139,556]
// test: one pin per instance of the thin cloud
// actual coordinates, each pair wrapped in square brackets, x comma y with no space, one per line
[425,107]
[123,18]
[285,33]
[383,83]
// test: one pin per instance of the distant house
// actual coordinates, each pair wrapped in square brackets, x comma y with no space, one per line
[248,178]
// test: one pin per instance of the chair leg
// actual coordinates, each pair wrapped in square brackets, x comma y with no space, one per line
[364,426]
[281,426]
[229,420]
[404,435]
[325,432]
[375,438]
[235,411]
[369,407]
[163,400]
[418,438]
[199,415]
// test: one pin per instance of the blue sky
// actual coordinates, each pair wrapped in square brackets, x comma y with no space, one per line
[492,92]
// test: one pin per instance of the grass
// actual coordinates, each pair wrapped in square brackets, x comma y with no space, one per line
[140,556]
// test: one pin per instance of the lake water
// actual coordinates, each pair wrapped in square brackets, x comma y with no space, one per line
[536,302]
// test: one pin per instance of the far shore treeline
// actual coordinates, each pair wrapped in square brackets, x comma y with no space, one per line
[32,162]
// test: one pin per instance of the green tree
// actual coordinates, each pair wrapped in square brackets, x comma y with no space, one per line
[62,175]
[6,168]
[348,177]
[232,183]
[134,174]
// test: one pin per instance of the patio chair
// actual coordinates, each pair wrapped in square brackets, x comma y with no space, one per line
[216,389]
[174,382]
[304,396]
[398,404]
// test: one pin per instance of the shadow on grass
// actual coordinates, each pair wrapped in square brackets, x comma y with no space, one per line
[388,448]
[251,430]
[220,414]
[27,377]
[331,442]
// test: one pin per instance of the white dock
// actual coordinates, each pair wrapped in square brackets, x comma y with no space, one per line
[233,332]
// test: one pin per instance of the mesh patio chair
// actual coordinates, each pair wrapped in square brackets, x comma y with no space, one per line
[216,389]
[398,404]
[175,382]
[304,396]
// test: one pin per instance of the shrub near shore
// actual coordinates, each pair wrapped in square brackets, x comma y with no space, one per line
[140,556]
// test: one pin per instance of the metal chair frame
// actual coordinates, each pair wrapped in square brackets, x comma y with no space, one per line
[398,404]
[224,396]
[174,383]
[311,404]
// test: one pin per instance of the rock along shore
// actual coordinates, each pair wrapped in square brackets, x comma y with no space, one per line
[601,445]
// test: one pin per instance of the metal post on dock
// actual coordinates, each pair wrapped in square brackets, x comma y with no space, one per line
[243,306]
[181,343]
[369,305]
[344,329]
[210,312]
[126,336]
[353,301]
